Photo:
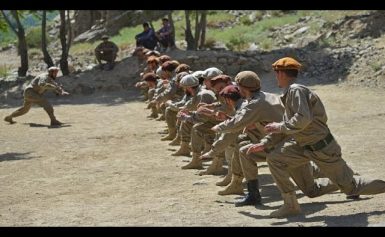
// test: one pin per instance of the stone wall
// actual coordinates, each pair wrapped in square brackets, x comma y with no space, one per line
[126,72]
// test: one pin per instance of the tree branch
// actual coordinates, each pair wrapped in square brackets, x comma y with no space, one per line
[9,22]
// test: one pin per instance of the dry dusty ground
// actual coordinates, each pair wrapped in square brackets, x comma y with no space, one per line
[109,168]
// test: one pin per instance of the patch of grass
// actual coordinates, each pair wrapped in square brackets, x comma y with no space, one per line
[237,43]
[267,44]
[80,48]
[209,43]
[245,20]
[254,33]
[34,52]
[376,66]
[4,70]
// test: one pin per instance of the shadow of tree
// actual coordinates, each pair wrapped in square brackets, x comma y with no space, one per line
[15,156]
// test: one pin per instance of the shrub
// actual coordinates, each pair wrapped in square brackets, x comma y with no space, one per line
[4,70]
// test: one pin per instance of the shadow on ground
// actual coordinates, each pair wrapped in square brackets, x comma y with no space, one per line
[308,209]
[16,156]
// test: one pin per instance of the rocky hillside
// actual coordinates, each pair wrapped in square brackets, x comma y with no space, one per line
[350,49]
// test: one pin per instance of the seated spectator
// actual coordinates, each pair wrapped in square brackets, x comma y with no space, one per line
[164,35]
[106,51]
[147,38]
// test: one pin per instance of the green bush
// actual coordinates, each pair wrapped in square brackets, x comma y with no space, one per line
[4,70]
[34,38]
[237,43]
[245,20]
[209,43]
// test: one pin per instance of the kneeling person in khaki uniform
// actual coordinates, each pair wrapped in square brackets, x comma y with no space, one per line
[33,94]
[304,120]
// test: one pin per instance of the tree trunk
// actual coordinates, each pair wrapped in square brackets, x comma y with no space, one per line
[23,49]
[62,35]
[69,30]
[47,57]
[172,28]
[188,34]
[197,30]
[203,28]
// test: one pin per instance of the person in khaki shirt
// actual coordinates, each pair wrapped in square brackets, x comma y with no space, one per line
[304,121]
[33,94]
[262,108]
[198,95]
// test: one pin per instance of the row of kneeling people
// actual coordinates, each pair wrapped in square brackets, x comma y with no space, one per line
[211,115]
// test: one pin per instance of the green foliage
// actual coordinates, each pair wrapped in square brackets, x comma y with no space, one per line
[33,37]
[245,20]
[376,66]
[34,52]
[4,70]
[209,43]
[237,43]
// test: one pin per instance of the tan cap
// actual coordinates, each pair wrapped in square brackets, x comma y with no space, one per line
[182,68]
[150,77]
[248,79]
[212,72]
[286,63]
[180,75]
[105,37]
[189,81]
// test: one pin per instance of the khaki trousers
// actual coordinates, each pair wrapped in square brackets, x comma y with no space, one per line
[30,98]
[291,160]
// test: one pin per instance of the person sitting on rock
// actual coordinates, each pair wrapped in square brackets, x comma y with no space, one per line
[164,35]
[106,51]
[147,38]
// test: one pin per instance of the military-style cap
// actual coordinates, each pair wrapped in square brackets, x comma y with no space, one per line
[50,69]
[105,37]
[220,78]
[189,81]
[199,74]
[229,91]
[150,77]
[159,71]
[180,75]
[153,53]
[286,63]
[152,59]
[248,79]
[164,58]
[182,68]
[170,65]
[212,72]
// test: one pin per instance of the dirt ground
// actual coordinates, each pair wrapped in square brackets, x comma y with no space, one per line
[107,167]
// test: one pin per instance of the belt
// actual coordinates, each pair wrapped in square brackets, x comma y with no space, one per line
[320,144]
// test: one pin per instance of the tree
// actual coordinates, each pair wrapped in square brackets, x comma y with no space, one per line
[22,42]
[200,30]
[65,28]
[47,57]
[188,33]
[203,29]
[172,28]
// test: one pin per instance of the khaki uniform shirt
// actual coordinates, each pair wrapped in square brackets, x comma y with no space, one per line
[262,108]
[202,96]
[42,83]
[304,118]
